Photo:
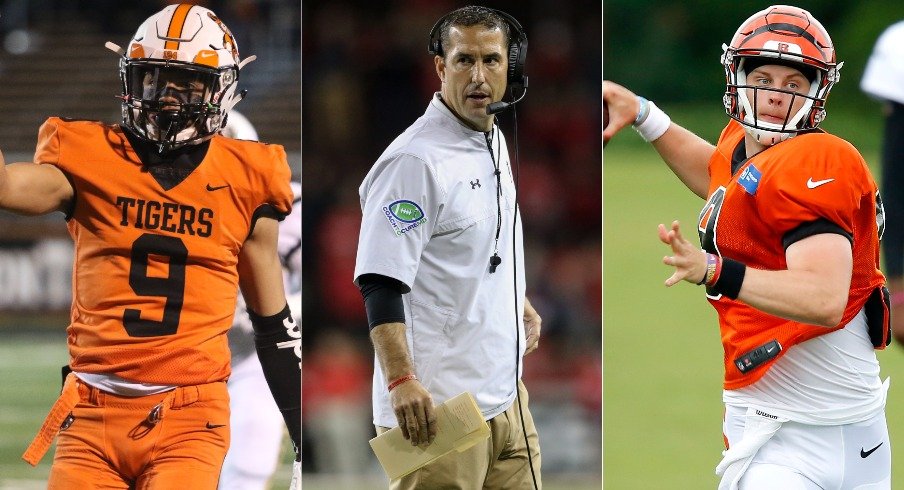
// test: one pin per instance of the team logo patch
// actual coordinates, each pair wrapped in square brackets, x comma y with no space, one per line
[750,179]
[404,216]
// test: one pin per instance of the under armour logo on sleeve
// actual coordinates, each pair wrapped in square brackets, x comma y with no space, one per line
[475,184]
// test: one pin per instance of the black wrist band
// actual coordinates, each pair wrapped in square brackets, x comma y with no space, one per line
[732,277]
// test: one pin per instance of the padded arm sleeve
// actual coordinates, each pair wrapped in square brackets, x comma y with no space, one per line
[277,339]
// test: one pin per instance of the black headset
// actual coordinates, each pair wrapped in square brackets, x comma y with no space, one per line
[517,51]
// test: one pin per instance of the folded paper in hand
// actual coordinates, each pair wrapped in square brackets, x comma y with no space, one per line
[459,426]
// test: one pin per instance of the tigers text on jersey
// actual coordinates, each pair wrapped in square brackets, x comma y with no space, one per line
[774,198]
[154,278]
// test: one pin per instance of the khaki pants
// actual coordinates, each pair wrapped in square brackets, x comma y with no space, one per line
[176,439]
[497,463]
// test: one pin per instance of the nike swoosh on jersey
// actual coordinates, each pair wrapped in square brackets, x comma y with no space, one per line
[864,454]
[812,184]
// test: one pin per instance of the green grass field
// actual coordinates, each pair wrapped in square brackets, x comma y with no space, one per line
[662,365]
[29,384]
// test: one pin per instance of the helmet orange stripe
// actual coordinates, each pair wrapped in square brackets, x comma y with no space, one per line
[176,24]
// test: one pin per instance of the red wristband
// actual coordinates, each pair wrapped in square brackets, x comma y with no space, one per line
[407,377]
[712,263]
[711,281]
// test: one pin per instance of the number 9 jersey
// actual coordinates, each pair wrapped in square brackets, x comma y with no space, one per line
[155,278]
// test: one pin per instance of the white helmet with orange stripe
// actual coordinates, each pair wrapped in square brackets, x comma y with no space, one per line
[179,75]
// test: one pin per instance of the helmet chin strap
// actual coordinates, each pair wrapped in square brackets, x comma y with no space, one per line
[169,124]
[167,127]
[769,138]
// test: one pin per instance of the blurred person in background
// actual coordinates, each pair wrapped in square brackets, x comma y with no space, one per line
[882,80]
[168,219]
[440,262]
[335,383]
[256,426]
[790,234]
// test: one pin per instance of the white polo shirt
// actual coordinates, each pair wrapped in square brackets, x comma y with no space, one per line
[885,68]
[429,220]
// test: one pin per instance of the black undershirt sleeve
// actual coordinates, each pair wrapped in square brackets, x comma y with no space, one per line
[382,299]
[811,228]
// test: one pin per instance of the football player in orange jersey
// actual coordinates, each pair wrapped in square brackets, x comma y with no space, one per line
[790,233]
[169,219]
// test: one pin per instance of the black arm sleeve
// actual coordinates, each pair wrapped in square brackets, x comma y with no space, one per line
[278,342]
[382,299]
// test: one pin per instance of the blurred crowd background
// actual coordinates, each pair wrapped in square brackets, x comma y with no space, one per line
[366,77]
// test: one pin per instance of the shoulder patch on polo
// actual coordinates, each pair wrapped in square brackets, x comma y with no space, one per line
[404,215]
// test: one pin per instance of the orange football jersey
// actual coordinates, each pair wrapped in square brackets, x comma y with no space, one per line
[811,178]
[154,278]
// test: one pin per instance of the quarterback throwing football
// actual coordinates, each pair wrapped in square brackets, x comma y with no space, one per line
[790,235]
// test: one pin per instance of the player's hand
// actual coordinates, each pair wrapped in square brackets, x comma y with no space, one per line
[414,411]
[623,108]
[689,261]
[532,324]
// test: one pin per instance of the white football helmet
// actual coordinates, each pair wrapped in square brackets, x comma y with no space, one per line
[781,35]
[179,74]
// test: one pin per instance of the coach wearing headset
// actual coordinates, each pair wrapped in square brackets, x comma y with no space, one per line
[441,265]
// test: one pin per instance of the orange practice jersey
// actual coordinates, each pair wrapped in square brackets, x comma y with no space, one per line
[811,178]
[154,278]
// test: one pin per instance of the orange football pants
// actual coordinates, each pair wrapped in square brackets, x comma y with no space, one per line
[176,439]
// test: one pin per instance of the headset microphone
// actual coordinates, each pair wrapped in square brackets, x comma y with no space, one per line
[497,107]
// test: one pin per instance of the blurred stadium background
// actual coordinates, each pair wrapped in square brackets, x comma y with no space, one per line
[53,62]
[661,345]
[366,77]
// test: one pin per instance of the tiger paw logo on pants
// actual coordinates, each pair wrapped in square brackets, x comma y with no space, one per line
[404,215]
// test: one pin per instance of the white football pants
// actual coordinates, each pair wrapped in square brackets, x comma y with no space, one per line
[799,456]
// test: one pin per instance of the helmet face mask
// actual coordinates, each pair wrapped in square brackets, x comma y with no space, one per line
[179,77]
[779,35]
[169,104]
